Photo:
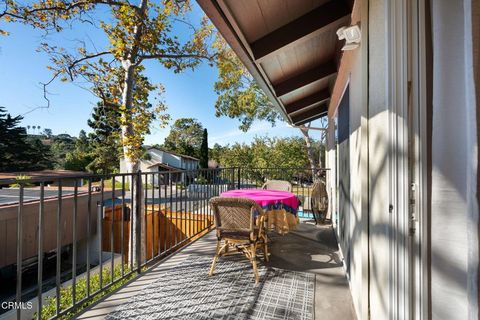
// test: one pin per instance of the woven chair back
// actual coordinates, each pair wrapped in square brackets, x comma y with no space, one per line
[234,213]
[281,185]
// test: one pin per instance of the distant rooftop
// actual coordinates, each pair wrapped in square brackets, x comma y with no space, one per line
[43,174]
[174,153]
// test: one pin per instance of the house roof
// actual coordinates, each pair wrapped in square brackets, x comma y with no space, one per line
[165,166]
[174,153]
[290,47]
[44,174]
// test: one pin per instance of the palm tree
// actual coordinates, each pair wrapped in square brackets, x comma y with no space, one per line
[28,128]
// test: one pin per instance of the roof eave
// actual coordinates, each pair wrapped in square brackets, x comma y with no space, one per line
[218,17]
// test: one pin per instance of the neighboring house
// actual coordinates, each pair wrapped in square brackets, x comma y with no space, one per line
[163,161]
[212,164]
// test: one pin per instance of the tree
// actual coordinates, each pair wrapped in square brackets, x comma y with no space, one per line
[216,152]
[62,145]
[80,157]
[185,137]
[47,133]
[136,33]
[239,96]
[204,150]
[39,155]
[105,139]
[14,148]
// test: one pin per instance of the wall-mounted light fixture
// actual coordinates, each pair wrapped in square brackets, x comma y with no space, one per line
[352,36]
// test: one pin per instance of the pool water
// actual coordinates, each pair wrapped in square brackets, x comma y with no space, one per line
[304,215]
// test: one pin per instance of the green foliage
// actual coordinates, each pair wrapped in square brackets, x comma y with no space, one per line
[239,96]
[106,147]
[21,181]
[47,133]
[185,137]
[204,150]
[134,33]
[49,308]
[17,151]
[180,186]
[79,158]
[108,184]
[264,152]
[39,155]
[62,145]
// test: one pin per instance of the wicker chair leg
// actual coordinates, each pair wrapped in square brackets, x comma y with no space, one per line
[215,258]
[265,249]
[226,246]
[253,250]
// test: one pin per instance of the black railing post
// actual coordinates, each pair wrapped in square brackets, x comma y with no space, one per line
[19,250]
[239,178]
[138,228]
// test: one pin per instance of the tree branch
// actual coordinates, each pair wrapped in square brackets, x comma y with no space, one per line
[77,4]
[86,57]
[175,56]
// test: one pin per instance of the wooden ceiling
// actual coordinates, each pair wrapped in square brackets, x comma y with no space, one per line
[289,46]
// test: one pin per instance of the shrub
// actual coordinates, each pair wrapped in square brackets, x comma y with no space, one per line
[20,179]
[66,297]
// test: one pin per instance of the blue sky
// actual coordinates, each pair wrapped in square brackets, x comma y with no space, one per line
[189,94]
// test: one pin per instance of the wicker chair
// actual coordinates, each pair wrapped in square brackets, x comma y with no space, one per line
[236,225]
[319,201]
[281,185]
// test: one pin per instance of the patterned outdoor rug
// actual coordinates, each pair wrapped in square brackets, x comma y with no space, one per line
[187,292]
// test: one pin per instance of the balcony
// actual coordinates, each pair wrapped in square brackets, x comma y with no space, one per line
[86,249]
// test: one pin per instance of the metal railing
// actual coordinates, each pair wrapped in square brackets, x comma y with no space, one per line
[82,235]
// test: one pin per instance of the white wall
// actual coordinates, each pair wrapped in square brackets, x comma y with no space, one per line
[350,228]
[454,214]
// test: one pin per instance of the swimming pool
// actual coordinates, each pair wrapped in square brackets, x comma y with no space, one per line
[304,215]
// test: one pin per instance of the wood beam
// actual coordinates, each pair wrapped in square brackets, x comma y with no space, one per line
[310,115]
[321,115]
[299,28]
[319,96]
[305,78]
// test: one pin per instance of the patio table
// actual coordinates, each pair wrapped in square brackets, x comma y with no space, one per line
[279,206]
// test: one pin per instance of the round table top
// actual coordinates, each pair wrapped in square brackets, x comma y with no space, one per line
[266,198]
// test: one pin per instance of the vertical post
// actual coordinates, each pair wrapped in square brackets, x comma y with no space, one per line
[152,212]
[59,247]
[74,243]
[145,212]
[112,235]
[40,251]
[122,231]
[100,231]
[89,223]
[19,251]
[238,177]
[159,214]
[138,228]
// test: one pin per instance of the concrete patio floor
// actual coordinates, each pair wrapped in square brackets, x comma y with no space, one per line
[310,249]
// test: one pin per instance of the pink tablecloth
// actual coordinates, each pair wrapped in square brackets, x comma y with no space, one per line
[267,199]
[280,206]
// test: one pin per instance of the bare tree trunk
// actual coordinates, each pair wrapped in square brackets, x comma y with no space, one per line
[310,151]
[132,163]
